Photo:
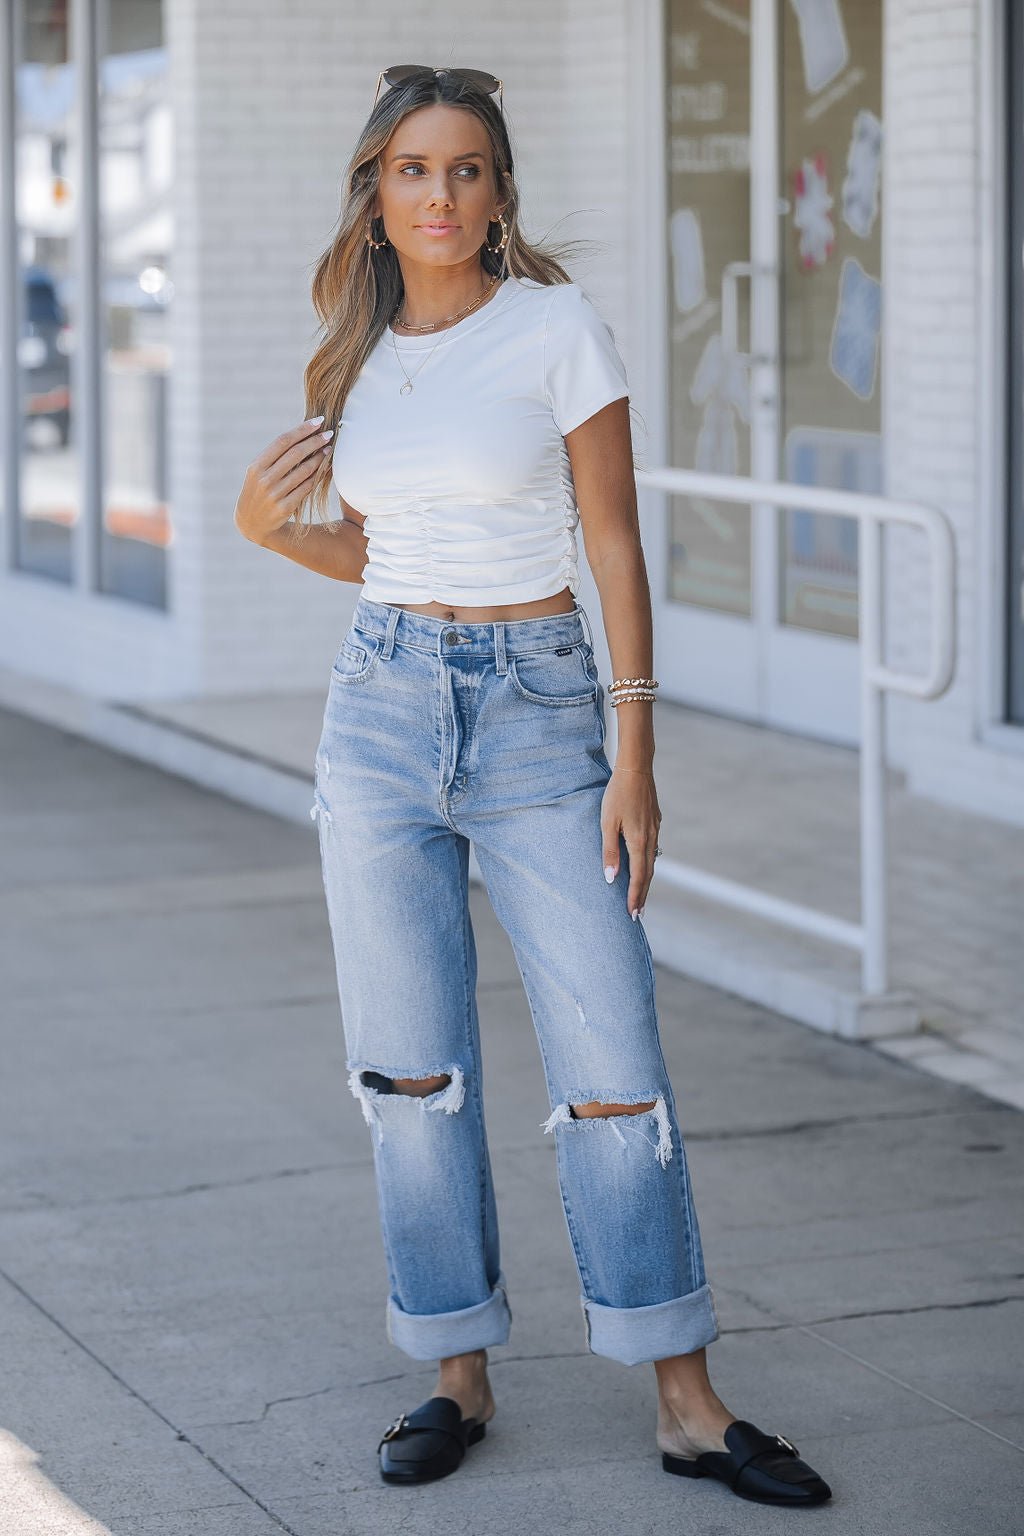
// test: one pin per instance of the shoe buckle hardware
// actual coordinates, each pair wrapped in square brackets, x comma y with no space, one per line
[393,1428]
[788,1445]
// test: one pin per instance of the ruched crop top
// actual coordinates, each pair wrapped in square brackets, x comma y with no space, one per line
[465,483]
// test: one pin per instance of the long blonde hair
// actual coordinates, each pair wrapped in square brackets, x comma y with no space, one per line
[356,290]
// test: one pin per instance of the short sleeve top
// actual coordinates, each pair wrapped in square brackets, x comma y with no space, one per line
[465,481]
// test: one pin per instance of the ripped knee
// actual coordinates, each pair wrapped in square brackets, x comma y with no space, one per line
[444,1091]
[595,1107]
[592,1113]
[416,1087]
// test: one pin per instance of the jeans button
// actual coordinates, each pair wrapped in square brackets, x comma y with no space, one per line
[451,636]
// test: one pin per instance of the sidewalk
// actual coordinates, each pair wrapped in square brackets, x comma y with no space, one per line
[192,1286]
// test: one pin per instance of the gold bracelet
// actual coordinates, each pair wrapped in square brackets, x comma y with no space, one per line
[632,682]
[637,693]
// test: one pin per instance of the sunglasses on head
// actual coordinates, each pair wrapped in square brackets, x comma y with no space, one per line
[401,74]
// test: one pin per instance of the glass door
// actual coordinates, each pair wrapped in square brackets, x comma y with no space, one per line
[705,620]
[774,312]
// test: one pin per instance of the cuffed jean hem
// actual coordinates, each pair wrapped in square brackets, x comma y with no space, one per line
[435,1335]
[636,1334]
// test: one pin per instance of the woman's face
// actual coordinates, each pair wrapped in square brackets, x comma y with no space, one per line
[436,192]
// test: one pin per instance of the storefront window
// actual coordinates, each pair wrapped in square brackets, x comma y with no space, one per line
[46,210]
[830,102]
[92,295]
[708,155]
[136,238]
[815,417]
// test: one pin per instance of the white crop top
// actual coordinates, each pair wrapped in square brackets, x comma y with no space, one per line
[466,484]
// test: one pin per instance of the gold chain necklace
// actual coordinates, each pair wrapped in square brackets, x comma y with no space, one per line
[406,388]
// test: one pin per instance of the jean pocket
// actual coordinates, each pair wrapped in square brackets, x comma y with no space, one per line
[563,676]
[357,657]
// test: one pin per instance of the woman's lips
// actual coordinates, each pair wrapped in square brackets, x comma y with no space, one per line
[438,229]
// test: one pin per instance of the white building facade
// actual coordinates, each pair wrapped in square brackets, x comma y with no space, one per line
[806,219]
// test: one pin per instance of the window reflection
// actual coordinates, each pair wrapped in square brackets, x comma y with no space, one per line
[45,212]
[830,397]
[708,50]
[136,235]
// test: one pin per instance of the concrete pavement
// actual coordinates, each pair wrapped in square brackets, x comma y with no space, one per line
[192,1287]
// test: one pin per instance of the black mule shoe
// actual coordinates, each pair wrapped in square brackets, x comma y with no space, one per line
[765,1468]
[427,1443]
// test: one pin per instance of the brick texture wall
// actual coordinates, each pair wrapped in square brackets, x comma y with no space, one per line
[936,363]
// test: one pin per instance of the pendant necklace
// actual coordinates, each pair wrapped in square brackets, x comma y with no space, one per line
[406,388]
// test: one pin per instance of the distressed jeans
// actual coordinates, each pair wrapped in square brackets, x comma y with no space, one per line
[437,735]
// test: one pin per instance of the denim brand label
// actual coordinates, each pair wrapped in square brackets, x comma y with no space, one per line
[564,650]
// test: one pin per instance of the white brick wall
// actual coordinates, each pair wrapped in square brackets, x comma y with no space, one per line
[934,364]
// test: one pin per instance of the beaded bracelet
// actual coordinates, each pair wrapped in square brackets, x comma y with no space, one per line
[623,689]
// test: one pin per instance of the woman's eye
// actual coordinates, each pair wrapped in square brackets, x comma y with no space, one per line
[475,170]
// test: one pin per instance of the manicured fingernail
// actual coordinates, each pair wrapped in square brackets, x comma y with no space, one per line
[635,914]
[609,873]
[311,421]
[643,909]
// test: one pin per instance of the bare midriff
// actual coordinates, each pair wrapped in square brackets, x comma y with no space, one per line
[558,602]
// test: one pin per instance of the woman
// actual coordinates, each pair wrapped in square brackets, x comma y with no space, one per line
[480,403]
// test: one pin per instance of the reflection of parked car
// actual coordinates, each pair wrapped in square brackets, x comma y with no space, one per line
[43,349]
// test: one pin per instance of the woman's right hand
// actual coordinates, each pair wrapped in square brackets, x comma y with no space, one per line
[279,480]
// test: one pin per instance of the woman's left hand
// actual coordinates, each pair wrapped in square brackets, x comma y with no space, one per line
[630,807]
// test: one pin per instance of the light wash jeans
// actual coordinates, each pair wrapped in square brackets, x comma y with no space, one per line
[435,735]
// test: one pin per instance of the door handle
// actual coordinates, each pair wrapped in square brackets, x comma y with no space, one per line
[731,274]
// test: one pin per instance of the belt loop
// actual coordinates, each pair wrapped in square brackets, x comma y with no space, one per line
[586,625]
[499,647]
[389,633]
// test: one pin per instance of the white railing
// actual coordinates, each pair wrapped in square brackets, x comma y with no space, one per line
[870,936]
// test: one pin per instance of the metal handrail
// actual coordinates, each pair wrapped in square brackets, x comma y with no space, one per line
[870,936]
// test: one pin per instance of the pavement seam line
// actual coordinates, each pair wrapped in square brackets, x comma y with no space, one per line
[908,1387]
[242,1182]
[126,1386]
[848,1317]
[883,1117]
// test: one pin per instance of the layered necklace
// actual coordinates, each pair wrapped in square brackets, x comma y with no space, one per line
[406,388]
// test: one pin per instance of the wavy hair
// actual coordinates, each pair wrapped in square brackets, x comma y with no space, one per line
[356,290]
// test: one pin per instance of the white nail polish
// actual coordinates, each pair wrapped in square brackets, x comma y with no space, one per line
[609,873]
[634,915]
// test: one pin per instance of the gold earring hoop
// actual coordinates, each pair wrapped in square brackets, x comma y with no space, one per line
[376,245]
[494,249]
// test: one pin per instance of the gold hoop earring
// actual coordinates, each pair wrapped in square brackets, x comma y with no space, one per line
[494,249]
[376,245]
